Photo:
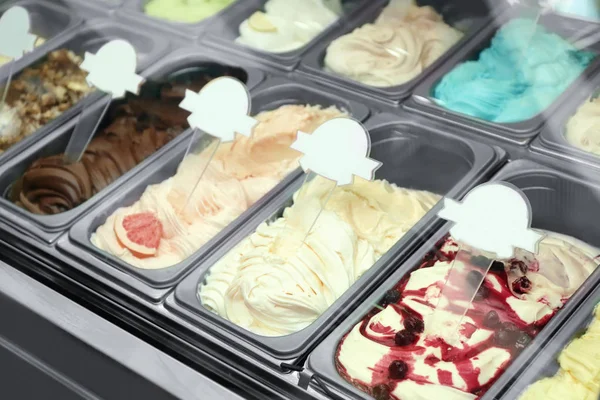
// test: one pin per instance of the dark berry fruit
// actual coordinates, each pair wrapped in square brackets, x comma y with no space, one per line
[482,293]
[503,338]
[381,392]
[398,369]
[414,324]
[497,266]
[474,278]
[404,337]
[491,320]
[520,265]
[522,341]
[509,326]
[440,255]
[391,296]
[522,285]
[480,261]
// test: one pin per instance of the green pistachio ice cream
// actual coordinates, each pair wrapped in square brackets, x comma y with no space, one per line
[185,10]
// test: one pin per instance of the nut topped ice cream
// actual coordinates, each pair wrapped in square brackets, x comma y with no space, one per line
[393,353]
[41,93]
[396,48]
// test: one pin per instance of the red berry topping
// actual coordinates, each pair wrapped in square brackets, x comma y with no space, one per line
[404,337]
[381,392]
[474,278]
[522,285]
[414,324]
[491,320]
[503,338]
[520,265]
[522,341]
[398,369]
[391,297]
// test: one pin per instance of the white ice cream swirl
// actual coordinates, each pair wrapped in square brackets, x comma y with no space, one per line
[273,284]
[396,48]
[287,25]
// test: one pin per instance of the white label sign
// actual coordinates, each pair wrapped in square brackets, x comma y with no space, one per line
[220,109]
[494,217]
[15,39]
[337,150]
[112,69]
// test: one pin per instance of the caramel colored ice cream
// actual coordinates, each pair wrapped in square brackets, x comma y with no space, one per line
[241,172]
[396,48]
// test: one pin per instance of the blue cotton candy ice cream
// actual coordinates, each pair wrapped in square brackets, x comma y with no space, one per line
[523,71]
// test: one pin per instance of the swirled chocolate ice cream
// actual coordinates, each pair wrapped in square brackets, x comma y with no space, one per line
[139,126]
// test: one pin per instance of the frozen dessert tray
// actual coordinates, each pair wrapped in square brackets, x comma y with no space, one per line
[549,192]
[89,9]
[182,63]
[89,36]
[423,147]
[467,17]
[414,157]
[134,10]
[269,95]
[580,32]
[48,21]
[553,141]
[544,363]
[223,33]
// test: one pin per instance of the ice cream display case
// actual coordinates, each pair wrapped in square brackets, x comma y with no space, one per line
[288,235]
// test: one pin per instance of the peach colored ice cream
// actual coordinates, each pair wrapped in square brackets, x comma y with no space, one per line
[241,172]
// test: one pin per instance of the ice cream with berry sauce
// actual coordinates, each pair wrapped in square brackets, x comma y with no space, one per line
[394,353]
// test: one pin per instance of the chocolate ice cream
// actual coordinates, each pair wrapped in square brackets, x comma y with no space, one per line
[139,126]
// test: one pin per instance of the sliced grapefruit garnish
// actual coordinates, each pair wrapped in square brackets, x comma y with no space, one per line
[140,233]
